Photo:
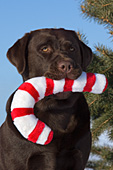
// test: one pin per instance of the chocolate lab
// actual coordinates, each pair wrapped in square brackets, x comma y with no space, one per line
[56,54]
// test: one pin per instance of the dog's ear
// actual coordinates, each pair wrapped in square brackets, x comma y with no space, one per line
[86,54]
[17,53]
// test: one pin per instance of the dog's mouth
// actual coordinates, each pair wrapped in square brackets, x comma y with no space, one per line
[58,76]
[62,70]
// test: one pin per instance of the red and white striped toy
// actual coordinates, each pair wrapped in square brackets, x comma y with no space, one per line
[37,88]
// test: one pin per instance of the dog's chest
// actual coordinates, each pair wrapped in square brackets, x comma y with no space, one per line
[60,118]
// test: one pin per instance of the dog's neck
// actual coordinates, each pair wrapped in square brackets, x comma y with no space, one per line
[50,103]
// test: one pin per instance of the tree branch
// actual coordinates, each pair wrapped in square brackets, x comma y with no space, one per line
[102,124]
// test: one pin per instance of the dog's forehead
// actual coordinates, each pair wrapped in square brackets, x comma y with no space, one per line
[62,33]
[55,34]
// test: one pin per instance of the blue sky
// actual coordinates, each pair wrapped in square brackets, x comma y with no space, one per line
[19,17]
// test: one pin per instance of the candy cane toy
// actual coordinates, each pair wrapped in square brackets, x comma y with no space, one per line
[37,88]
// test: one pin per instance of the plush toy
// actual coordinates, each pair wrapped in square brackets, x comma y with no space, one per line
[37,88]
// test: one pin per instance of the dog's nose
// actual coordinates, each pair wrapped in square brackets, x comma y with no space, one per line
[65,66]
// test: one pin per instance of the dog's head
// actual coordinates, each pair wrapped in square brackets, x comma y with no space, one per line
[53,53]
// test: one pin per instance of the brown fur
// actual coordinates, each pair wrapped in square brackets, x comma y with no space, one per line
[66,113]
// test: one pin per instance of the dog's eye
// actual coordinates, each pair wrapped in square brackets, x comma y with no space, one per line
[71,48]
[45,49]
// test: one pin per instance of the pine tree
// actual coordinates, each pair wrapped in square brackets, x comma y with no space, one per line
[101,106]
